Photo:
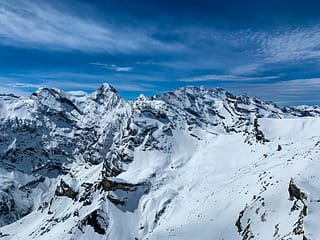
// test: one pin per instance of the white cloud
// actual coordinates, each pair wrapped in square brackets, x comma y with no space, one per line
[252,68]
[146,62]
[134,86]
[287,92]
[15,91]
[123,69]
[113,67]
[286,45]
[298,86]
[77,93]
[24,85]
[39,24]
[217,77]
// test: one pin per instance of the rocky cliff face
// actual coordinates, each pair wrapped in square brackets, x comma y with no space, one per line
[188,164]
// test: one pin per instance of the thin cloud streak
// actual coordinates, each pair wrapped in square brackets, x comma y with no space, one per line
[77,93]
[24,85]
[246,69]
[217,77]
[113,67]
[33,24]
[287,44]
[283,92]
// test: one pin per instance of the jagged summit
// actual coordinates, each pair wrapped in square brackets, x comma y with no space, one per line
[188,164]
[104,92]
[106,87]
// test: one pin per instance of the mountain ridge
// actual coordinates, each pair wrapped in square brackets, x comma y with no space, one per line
[85,167]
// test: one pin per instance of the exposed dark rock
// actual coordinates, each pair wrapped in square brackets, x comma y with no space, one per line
[98,220]
[2,235]
[276,230]
[63,189]
[161,211]
[110,185]
[247,233]
[295,192]
[299,198]
[259,135]
[263,217]
[158,215]
[76,213]
[115,200]
[10,210]
[298,227]
[86,196]
[238,222]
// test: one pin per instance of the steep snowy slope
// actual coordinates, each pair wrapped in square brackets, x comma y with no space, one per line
[195,163]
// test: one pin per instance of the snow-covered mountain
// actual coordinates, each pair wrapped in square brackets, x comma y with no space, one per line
[194,163]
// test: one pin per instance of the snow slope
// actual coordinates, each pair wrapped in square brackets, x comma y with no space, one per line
[194,163]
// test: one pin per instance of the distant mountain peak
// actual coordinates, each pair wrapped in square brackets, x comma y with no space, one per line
[105,88]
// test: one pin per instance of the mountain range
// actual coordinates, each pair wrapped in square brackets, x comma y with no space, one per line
[194,163]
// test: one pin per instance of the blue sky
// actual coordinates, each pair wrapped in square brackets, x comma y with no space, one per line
[269,48]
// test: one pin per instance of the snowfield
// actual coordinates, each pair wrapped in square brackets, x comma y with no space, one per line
[195,163]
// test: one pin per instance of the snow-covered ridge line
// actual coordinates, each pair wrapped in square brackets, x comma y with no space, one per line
[195,163]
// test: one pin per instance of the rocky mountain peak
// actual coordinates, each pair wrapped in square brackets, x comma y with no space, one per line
[105,88]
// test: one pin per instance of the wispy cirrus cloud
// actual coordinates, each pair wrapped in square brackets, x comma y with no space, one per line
[246,69]
[146,62]
[77,93]
[283,92]
[15,91]
[296,86]
[24,85]
[113,67]
[225,77]
[43,25]
[287,44]
[252,52]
